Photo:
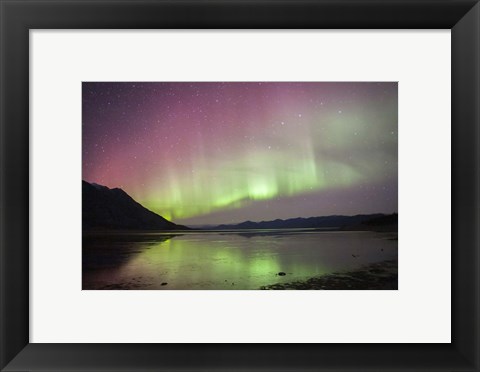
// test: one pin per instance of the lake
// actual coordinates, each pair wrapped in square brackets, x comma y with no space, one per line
[226,260]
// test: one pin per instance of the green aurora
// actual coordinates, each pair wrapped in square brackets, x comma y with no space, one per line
[201,153]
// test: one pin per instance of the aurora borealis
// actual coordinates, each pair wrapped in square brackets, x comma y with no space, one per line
[212,153]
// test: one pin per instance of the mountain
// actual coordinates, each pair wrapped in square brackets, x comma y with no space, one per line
[113,209]
[384,223]
[303,223]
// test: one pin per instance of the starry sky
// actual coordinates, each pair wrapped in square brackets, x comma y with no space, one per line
[225,152]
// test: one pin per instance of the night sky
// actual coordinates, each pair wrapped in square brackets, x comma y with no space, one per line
[212,153]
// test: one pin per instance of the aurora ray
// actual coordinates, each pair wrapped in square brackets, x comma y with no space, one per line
[211,153]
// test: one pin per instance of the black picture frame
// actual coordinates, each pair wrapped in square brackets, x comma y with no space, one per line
[19,16]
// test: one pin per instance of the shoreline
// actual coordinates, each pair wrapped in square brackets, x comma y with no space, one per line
[377,276]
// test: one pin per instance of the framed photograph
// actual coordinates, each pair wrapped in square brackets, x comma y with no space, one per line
[209,185]
[230,185]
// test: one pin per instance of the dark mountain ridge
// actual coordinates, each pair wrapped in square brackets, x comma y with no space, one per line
[113,209]
[334,222]
[383,223]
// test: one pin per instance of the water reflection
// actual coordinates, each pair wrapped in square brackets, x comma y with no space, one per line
[225,260]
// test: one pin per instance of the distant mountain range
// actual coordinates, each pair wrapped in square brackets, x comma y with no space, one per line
[384,223]
[113,209]
[358,222]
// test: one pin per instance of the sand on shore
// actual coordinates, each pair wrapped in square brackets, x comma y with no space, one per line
[378,276]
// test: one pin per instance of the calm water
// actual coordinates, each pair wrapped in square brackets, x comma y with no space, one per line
[225,260]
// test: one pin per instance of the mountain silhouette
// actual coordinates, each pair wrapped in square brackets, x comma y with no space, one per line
[383,223]
[333,222]
[113,209]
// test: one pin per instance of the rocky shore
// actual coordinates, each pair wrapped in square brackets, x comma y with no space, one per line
[381,275]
